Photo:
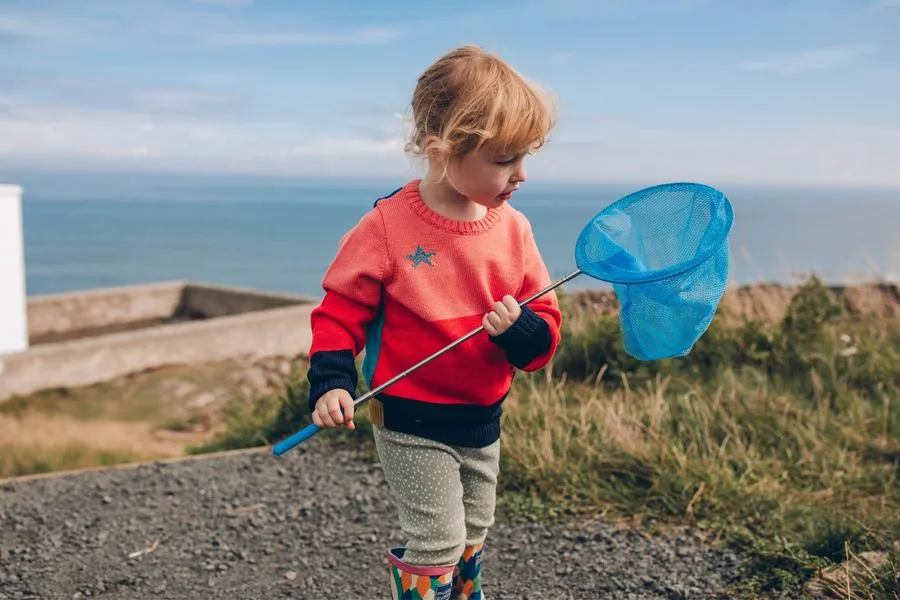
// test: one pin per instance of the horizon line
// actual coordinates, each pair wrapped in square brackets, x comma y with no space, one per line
[360,178]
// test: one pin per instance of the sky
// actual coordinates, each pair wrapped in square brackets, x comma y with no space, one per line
[788,92]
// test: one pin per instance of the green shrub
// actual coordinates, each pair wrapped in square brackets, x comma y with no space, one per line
[268,420]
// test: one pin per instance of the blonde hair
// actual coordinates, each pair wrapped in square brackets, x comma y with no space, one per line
[469,98]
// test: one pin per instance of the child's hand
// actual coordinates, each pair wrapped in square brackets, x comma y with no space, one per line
[502,317]
[328,410]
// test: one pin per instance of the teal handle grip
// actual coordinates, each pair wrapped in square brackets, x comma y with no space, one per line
[296,439]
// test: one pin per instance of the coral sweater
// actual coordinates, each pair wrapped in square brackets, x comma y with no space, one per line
[406,282]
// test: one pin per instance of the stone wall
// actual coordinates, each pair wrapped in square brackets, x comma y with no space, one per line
[95,336]
[57,314]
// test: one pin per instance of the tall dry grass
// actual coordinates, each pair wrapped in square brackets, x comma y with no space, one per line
[34,442]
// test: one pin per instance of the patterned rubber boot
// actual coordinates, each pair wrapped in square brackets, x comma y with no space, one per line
[467,575]
[411,582]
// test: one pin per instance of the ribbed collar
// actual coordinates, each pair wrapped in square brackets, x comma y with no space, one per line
[423,211]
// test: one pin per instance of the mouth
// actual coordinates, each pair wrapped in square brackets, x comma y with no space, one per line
[506,195]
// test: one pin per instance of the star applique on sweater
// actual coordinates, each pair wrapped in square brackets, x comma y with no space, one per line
[421,257]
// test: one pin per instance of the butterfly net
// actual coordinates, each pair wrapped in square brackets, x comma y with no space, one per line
[665,251]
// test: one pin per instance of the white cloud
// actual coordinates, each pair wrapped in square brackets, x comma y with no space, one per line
[226,2]
[183,100]
[27,25]
[111,139]
[108,25]
[810,60]
[371,35]
[22,26]
[865,133]
[612,9]
[117,23]
[348,146]
[851,156]
[99,93]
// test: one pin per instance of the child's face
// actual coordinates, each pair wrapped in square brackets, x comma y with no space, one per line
[487,177]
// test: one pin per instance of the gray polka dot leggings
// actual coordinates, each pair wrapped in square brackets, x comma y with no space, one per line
[446,495]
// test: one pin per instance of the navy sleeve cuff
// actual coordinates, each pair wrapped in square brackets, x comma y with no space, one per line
[328,371]
[525,340]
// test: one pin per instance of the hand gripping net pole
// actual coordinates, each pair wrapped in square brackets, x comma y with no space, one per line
[665,251]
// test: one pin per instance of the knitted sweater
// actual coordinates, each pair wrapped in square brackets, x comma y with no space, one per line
[407,281]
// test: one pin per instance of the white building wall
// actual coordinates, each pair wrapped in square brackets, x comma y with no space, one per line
[13,307]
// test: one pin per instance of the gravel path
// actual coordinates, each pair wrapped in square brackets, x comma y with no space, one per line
[312,524]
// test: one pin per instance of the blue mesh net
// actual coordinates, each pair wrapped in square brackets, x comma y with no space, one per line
[665,250]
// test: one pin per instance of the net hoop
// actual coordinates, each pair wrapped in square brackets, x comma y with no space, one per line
[718,201]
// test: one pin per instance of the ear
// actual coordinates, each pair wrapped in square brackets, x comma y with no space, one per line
[431,146]
[435,151]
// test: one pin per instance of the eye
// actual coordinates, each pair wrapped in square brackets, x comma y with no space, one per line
[507,161]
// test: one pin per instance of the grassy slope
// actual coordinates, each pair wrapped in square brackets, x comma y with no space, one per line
[780,439]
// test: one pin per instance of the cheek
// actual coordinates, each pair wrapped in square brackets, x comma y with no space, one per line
[491,176]
[500,179]
[482,179]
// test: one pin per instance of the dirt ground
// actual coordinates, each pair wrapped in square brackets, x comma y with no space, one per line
[314,523]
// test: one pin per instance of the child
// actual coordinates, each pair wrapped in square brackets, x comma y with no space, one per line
[430,262]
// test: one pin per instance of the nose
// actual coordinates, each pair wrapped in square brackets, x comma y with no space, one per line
[519,174]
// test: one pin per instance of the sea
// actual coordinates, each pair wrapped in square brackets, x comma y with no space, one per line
[89,230]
